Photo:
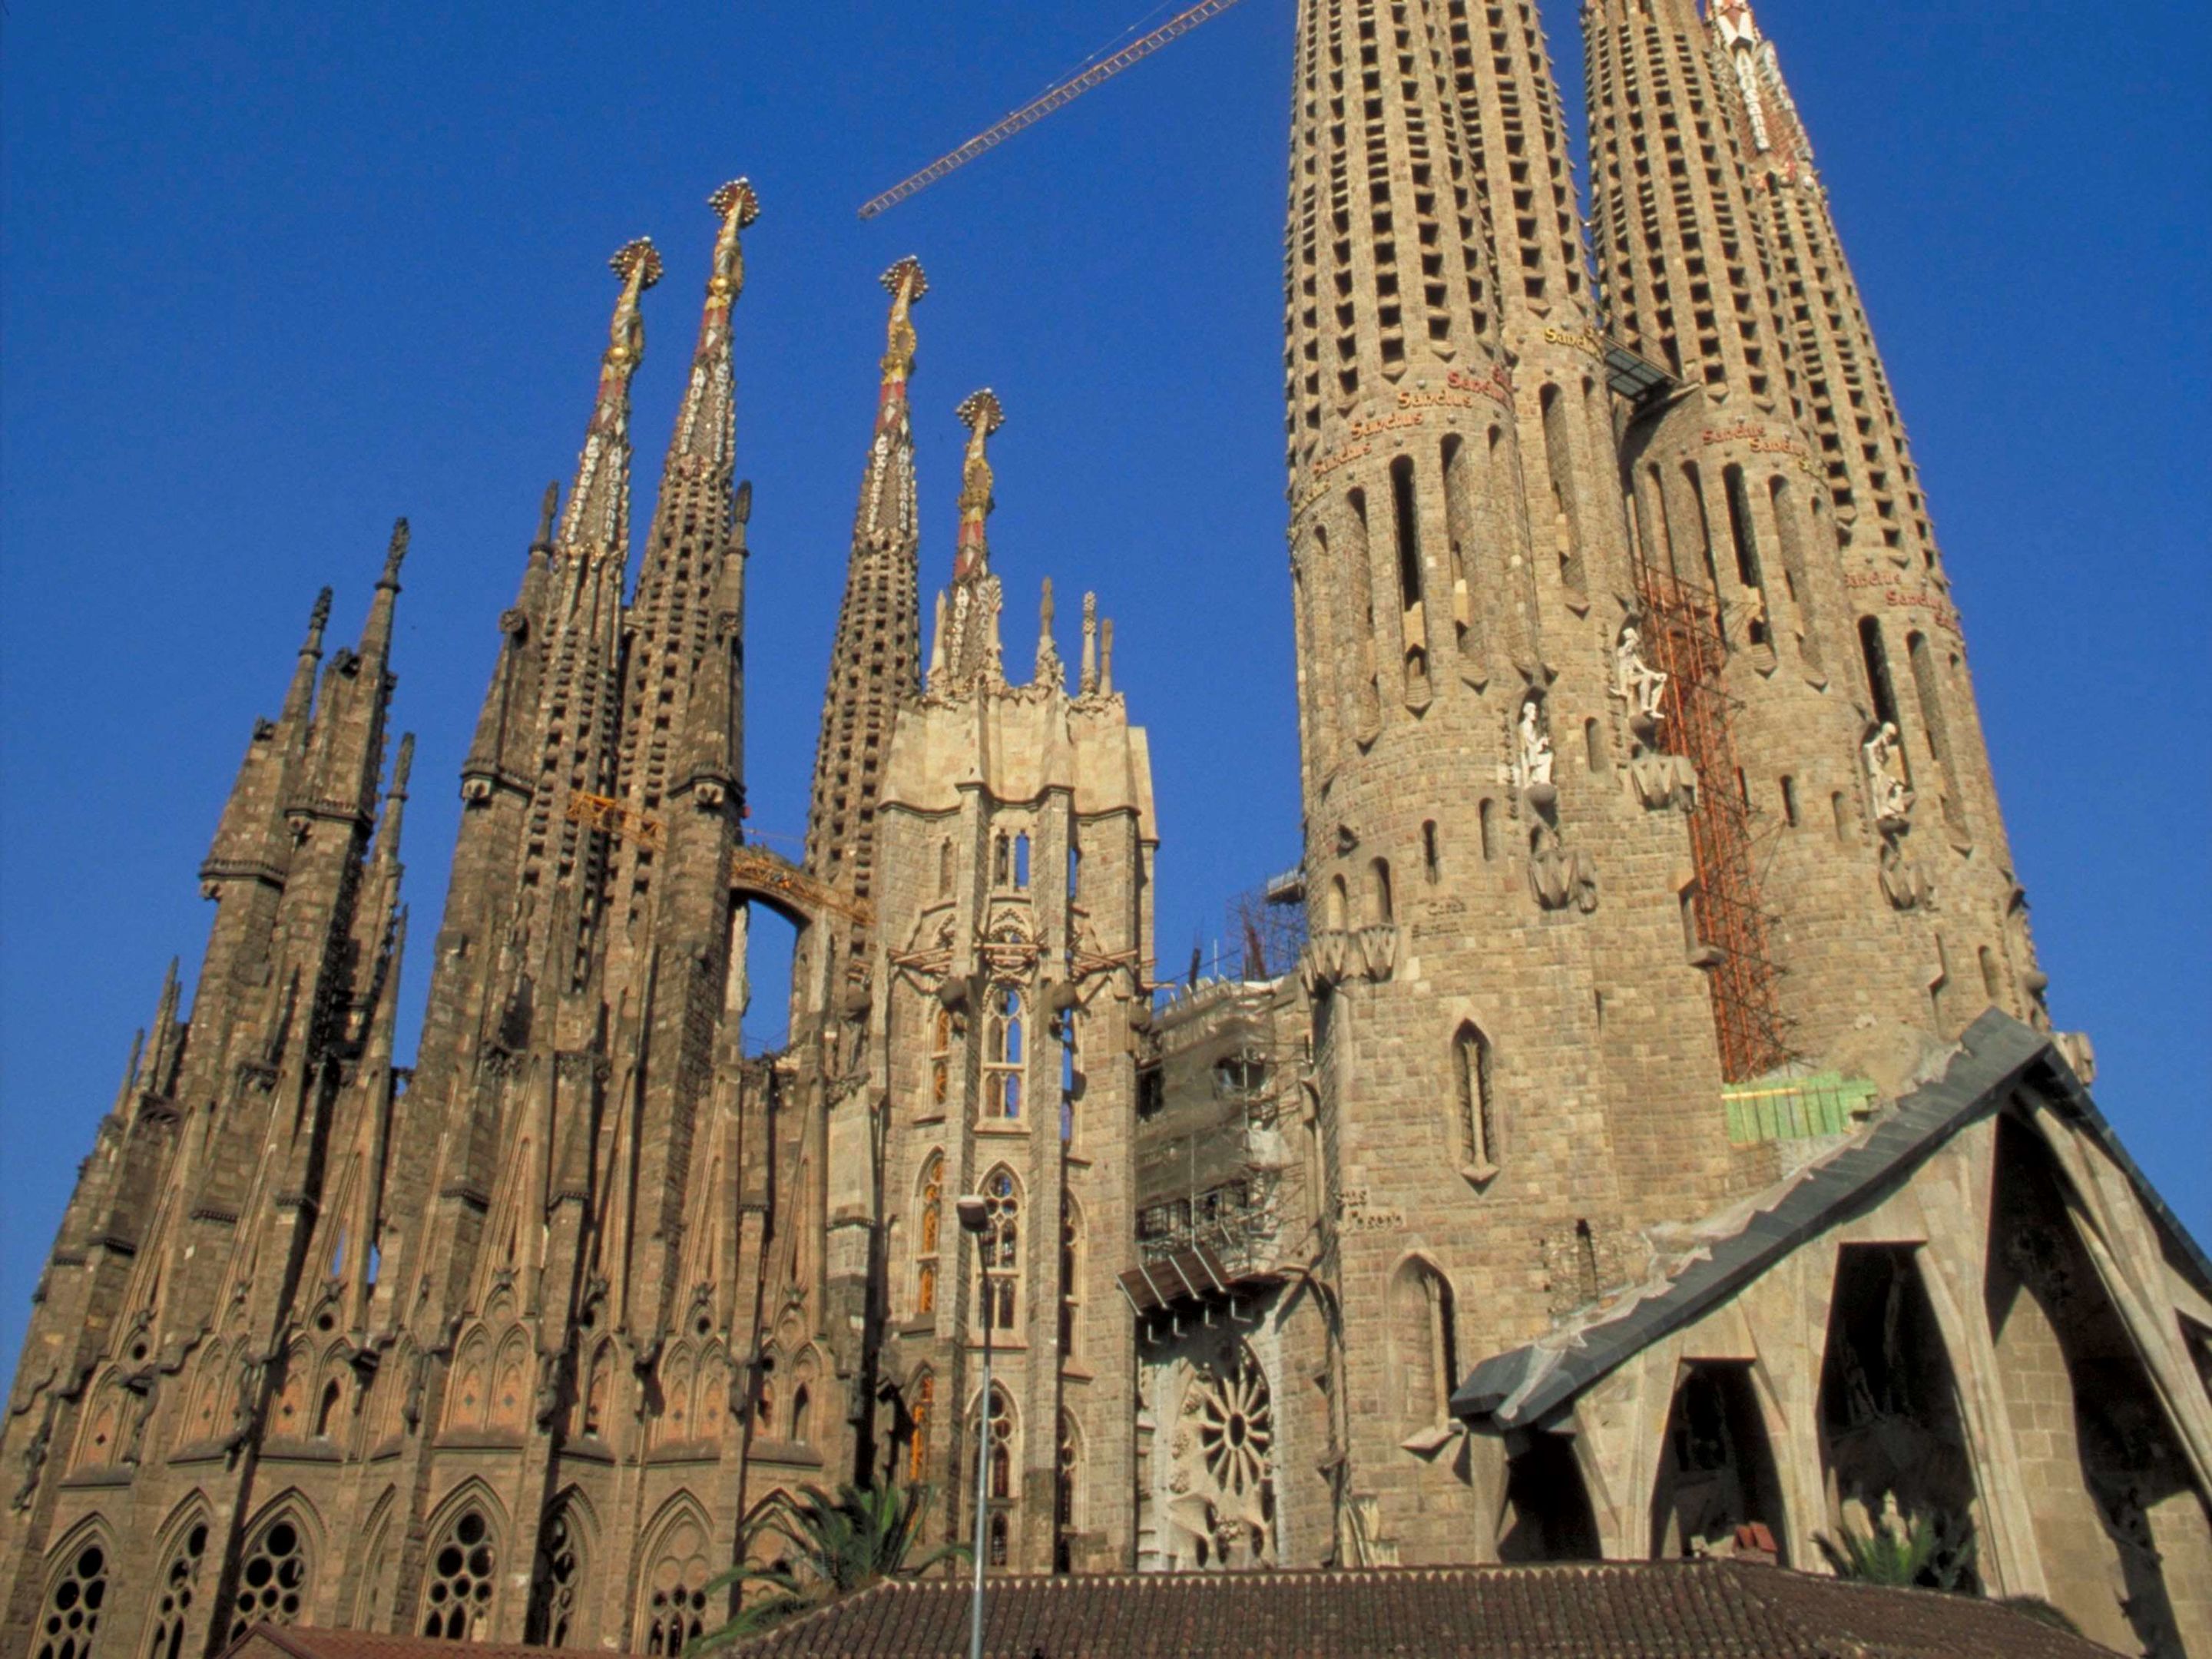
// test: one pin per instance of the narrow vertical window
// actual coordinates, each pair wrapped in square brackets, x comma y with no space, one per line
[1478,1129]
[1787,528]
[1992,984]
[1487,820]
[1876,655]
[1789,800]
[945,867]
[1558,460]
[929,1223]
[1022,861]
[1432,864]
[1385,906]
[1935,729]
[1409,532]
[1745,539]
[1593,744]
[1004,1056]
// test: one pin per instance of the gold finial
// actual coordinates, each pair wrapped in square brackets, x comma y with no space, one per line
[637,258]
[736,203]
[906,280]
[981,413]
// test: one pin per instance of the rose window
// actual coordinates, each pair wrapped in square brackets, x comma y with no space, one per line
[1236,1428]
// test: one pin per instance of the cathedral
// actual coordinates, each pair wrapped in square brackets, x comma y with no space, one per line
[1636,1130]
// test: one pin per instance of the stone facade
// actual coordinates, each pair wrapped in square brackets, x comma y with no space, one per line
[1653,867]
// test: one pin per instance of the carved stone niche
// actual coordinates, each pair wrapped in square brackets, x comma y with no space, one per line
[1903,883]
[1560,876]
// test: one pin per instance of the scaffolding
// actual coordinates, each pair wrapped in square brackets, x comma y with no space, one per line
[1684,639]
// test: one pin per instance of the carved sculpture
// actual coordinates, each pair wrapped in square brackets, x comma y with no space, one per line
[1883,755]
[1536,756]
[1634,680]
[1557,877]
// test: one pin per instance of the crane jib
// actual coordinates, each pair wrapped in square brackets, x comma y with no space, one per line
[1059,96]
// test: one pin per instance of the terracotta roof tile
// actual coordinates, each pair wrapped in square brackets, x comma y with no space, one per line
[275,1641]
[1688,1610]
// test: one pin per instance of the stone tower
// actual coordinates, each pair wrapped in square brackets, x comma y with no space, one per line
[1908,671]
[1497,888]
[1015,838]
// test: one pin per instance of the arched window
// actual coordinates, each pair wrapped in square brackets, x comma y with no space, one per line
[560,1580]
[272,1585]
[1001,1458]
[1422,1342]
[998,1249]
[675,1611]
[326,1410]
[1745,539]
[1471,1074]
[802,1415]
[929,1224]
[1487,818]
[177,1593]
[1593,747]
[1382,902]
[1432,860]
[75,1601]
[1339,906]
[1003,1056]
[1586,1272]
[940,1058]
[1934,727]
[921,1409]
[456,1595]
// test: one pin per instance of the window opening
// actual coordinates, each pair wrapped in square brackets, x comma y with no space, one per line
[74,1604]
[457,1604]
[1477,1125]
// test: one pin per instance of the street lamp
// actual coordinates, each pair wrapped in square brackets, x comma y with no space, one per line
[975,1219]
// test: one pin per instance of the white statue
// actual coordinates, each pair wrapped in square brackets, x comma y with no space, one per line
[1884,755]
[1535,747]
[1635,680]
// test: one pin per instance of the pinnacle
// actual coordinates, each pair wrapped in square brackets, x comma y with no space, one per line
[639,258]
[396,555]
[907,276]
[981,413]
[737,196]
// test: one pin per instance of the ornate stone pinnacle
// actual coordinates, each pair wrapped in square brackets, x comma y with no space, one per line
[906,278]
[396,555]
[401,767]
[736,200]
[318,619]
[637,259]
[981,413]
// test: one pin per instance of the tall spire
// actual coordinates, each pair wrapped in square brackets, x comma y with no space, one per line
[704,429]
[875,662]
[886,516]
[597,525]
[376,634]
[972,658]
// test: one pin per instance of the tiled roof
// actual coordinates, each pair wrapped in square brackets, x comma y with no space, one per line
[1669,1610]
[272,1641]
[1997,1054]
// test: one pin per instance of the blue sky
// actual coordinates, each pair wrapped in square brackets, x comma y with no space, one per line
[273,274]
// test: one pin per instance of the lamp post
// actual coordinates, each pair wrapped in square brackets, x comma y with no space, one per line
[975,1219]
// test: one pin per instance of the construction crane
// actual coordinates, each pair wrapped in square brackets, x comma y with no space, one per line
[1058,97]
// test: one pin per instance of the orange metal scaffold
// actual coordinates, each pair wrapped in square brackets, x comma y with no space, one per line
[1683,634]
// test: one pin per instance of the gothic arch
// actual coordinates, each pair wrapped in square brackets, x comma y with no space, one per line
[468,1392]
[277,1572]
[561,1580]
[929,1235]
[185,1561]
[511,1384]
[1890,1416]
[999,1247]
[671,1422]
[1717,1471]
[677,1560]
[921,1402]
[203,1414]
[466,1563]
[99,1441]
[81,1575]
[710,1392]
[1548,1516]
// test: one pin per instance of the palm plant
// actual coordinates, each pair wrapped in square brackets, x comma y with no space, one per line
[838,1544]
[1904,1551]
